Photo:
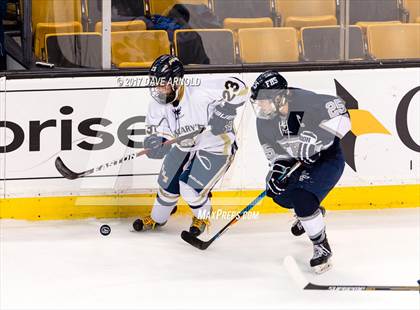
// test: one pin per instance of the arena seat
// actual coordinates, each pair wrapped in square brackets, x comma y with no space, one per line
[138,46]
[300,14]
[133,64]
[42,29]
[161,7]
[263,45]
[235,24]
[374,10]
[242,8]
[56,11]
[205,46]
[54,16]
[123,26]
[74,49]
[394,41]
[323,43]
[364,25]
[412,9]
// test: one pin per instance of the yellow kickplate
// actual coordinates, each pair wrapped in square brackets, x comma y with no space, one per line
[341,198]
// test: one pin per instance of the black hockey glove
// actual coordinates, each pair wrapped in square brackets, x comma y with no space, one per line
[276,184]
[222,119]
[157,150]
[309,150]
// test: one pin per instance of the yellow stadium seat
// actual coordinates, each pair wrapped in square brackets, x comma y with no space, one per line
[364,25]
[42,29]
[279,45]
[138,46]
[235,24]
[56,11]
[299,22]
[123,26]
[54,16]
[305,13]
[394,41]
[413,9]
[129,65]
[161,7]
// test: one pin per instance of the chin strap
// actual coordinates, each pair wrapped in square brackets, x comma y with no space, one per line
[179,93]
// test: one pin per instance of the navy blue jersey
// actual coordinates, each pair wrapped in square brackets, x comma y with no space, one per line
[323,118]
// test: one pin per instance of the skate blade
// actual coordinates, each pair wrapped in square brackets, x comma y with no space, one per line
[322,268]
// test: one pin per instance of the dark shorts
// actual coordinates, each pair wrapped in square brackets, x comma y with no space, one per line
[200,169]
[318,179]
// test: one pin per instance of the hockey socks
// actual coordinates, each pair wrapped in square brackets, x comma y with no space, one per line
[315,228]
[297,228]
[162,208]
[203,211]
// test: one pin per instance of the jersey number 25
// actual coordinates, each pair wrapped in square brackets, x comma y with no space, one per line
[335,108]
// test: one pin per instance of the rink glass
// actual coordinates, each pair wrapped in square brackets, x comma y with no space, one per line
[210,33]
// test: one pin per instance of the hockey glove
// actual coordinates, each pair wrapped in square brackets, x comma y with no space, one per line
[309,149]
[222,119]
[157,150]
[276,183]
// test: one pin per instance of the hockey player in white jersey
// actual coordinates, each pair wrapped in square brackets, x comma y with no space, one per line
[191,168]
[299,125]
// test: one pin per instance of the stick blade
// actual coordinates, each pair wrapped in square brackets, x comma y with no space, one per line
[295,273]
[194,241]
[64,170]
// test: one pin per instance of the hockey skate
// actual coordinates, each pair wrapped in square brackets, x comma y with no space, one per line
[198,226]
[148,223]
[321,261]
[297,228]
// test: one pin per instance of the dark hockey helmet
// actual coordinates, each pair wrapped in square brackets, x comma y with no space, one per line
[166,75]
[268,93]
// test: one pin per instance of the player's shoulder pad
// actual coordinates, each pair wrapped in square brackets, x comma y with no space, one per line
[228,89]
[319,106]
[334,106]
[235,91]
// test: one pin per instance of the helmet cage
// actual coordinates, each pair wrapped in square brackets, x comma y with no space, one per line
[268,102]
[162,97]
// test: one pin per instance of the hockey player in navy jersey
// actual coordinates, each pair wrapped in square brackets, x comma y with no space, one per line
[191,168]
[299,125]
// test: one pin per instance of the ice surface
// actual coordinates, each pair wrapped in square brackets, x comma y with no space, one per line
[69,265]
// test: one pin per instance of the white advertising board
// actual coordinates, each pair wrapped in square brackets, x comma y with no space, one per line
[88,121]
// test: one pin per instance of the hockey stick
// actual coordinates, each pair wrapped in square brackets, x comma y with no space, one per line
[294,271]
[71,175]
[202,245]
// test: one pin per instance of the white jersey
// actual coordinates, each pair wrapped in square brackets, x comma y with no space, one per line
[196,105]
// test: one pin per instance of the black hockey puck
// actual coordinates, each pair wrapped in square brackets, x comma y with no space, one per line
[138,225]
[105,230]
